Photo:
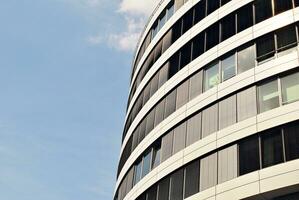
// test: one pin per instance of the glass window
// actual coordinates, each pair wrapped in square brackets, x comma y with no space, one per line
[142,197]
[228,67]
[182,94]
[146,166]
[296,3]
[211,76]
[152,193]
[174,64]
[293,196]
[198,44]
[227,164]
[167,40]
[146,93]
[178,4]
[290,88]
[193,129]
[142,130]
[130,180]
[249,160]
[185,55]
[163,74]
[170,10]
[187,21]
[227,112]
[228,27]
[195,85]
[150,122]
[158,50]
[208,172]
[286,38]
[159,116]
[246,104]
[223,2]
[162,20]
[282,5]
[272,153]
[155,29]
[156,154]
[137,173]
[265,47]
[291,137]
[163,191]
[191,179]
[179,137]
[245,17]
[263,10]
[166,146]
[212,5]
[177,181]
[154,84]
[176,30]
[268,96]
[170,104]
[135,139]
[209,120]
[246,58]
[199,11]
[212,36]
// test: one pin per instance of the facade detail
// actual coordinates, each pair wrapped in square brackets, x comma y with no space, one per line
[213,106]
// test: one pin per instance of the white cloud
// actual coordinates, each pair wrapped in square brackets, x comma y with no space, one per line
[127,40]
[135,13]
[137,7]
[95,40]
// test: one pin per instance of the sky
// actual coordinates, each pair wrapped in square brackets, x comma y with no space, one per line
[64,81]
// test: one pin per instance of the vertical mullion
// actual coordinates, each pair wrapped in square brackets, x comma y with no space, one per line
[279,88]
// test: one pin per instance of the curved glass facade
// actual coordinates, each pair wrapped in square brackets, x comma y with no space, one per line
[213,110]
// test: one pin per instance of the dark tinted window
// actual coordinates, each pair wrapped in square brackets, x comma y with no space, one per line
[152,193]
[187,21]
[176,30]
[199,11]
[245,17]
[174,64]
[249,155]
[212,35]
[286,38]
[282,5]
[296,3]
[192,179]
[272,153]
[177,180]
[164,189]
[263,10]
[185,55]
[291,134]
[265,47]
[224,2]
[212,5]
[228,27]
[198,45]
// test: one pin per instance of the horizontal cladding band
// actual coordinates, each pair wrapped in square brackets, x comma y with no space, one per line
[199,51]
[228,67]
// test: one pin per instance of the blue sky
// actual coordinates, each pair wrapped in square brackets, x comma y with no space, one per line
[64,76]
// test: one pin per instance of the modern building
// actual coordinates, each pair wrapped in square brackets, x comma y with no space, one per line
[213,108]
